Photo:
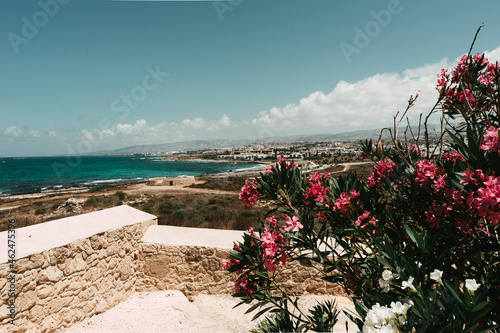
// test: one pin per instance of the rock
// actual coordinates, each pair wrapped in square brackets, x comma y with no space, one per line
[50,273]
[125,268]
[74,265]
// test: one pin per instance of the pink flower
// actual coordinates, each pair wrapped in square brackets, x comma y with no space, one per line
[249,195]
[342,203]
[243,286]
[322,217]
[486,201]
[226,264]
[425,172]
[362,217]
[442,79]
[435,215]
[316,193]
[472,177]
[251,231]
[269,169]
[491,140]
[270,265]
[453,156]
[439,183]
[270,242]
[379,173]
[293,223]
[272,221]
[281,159]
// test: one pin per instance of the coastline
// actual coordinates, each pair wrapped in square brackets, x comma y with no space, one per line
[126,184]
[64,185]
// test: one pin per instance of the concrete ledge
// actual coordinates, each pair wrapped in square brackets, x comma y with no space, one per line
[40,237]
[179,236]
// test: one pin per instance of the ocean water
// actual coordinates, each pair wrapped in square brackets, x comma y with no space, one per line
[36,174]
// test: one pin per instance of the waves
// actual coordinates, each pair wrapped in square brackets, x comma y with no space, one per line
[37,174]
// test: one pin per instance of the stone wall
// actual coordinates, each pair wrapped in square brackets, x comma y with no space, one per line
[59,286]
[197,270]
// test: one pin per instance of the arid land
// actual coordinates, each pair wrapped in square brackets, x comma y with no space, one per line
[211,202]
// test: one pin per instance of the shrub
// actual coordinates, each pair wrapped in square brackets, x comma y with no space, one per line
[416,244]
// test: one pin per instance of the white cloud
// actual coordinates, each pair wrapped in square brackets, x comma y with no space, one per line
[367,103]
[13,131]
[141,132]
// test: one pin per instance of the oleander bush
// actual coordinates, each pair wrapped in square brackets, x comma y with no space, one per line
[416,245]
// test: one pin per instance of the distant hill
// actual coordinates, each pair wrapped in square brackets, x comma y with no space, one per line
[194,145]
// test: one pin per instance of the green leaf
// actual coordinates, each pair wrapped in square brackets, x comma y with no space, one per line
[260,313]
[480,306]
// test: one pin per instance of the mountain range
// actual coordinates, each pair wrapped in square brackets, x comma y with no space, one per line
[195,145]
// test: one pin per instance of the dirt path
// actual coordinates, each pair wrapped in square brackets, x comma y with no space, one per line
[145,189]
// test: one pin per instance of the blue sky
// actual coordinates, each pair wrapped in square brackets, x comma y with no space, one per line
[80,76]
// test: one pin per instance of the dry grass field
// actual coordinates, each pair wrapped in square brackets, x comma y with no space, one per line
[212,202]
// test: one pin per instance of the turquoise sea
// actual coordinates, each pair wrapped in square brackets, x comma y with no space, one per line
[36,174]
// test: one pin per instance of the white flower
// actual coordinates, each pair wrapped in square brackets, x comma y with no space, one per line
[471,285]
[387,275]
[382,319]
[409,283]
[385,285]
[437,275]
[400,308]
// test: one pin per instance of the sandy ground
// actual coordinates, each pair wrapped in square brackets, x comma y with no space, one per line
[171,311]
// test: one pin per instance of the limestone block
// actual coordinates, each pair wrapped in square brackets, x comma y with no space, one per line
[112,264]
[58,255]
[51,323]
[211,264]
[67,300]
[4,270]
[157,266]
[44,291]
[23,284]
[4,312]
[102,305]
[192,253]
[87,294]
[25,301]
[54,306]
[74,265]
[32,262]
[208,251]
[98,242]
[92,259]
[76,283]
[104,285]
[129,284]
[92,274]
[112,250]
[88,308]
[21,326]
[114,235]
